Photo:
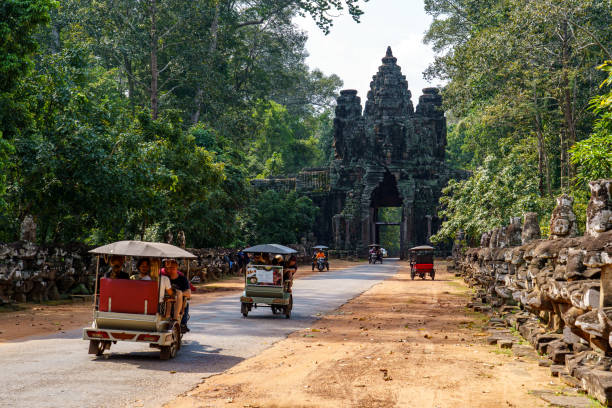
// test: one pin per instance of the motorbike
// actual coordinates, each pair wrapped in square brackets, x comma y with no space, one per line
[322,264]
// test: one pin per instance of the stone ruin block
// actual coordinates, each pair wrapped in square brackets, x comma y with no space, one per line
[599,210]
[563,219]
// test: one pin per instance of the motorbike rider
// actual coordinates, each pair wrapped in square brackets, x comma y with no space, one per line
[320,254]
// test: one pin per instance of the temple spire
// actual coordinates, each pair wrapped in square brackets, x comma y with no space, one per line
[389,58]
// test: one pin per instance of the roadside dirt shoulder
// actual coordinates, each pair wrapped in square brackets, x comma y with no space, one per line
[403,343]
[42,320]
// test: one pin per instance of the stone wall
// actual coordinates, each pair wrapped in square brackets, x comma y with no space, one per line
[556,292]
[30,272]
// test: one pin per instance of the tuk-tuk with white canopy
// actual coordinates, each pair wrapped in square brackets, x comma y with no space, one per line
[268,279]
[136,310]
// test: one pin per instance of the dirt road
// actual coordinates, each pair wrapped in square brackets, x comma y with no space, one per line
[56,370]
[43,320]
[403,343]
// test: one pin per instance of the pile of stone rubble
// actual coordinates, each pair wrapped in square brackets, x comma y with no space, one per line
[556,292]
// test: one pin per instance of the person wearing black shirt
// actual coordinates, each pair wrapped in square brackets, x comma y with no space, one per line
[116,271]
[181,285]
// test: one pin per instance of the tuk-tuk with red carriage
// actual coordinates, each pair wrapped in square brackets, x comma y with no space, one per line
[137,310]
[422,262]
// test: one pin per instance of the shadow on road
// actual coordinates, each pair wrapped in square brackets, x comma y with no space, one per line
[193,357]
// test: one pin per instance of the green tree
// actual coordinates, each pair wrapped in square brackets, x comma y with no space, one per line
[281,218]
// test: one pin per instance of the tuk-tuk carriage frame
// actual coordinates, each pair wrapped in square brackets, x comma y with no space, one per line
[129,310]
[265,285]
[373,257]
[315,261]
[422,262]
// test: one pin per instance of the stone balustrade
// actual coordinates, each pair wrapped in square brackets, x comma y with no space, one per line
[562,285]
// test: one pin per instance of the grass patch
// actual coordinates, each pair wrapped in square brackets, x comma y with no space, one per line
[505,352]
[12,307]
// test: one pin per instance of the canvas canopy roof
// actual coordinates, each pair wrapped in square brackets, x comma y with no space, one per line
[143,249]
[320,247]
[271,249]
[422,248]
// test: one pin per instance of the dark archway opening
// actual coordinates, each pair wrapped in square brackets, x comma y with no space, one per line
[386,216]
[388,221]
[386,193]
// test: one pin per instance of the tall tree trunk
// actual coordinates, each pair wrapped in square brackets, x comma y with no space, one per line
[130,79]
[212,48]
[543,162]
[567,104]
[154,69]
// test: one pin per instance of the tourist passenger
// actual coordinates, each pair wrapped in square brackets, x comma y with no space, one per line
[180,284]
[116,271]
[144,269]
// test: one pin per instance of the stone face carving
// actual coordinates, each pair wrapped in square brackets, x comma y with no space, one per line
[513,231]
[531,228]
[599,210]
[563,220]
[494,238]
[180,238]
[28,229]
[485,238]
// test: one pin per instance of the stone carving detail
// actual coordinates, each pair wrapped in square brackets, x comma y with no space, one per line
[28,229]
[599,210]
[168,237]
[494,237]
[180,238]
[531,228]
[563,220]
[485,238]
[513,231]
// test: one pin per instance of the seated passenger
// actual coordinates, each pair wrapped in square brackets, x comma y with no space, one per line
[116,271]
[182,288]
[289,270]
[144,269]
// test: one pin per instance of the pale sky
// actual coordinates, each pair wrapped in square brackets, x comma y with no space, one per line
[354,51]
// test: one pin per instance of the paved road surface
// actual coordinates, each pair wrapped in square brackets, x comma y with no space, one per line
[56,371]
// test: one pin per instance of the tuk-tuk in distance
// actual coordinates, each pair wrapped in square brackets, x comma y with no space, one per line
[375,253]
[321,263]
[136,310]
[422,261]
[268,279]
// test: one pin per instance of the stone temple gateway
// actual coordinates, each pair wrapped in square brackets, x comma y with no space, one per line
[386,155]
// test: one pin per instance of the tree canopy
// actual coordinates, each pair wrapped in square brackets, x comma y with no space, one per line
[125,119]
[520,77]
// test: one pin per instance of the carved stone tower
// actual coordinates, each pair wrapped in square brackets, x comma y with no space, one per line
[389,156]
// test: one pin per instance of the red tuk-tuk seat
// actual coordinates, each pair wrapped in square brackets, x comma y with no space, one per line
[424,267]
[128,296]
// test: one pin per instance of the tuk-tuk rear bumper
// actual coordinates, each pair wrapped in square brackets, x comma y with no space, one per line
[265,300]
[158,338]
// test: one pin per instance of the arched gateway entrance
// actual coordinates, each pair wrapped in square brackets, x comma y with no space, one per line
[388,159]
[388,155]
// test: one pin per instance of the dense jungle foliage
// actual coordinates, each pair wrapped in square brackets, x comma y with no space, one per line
[528,102]
[123,119]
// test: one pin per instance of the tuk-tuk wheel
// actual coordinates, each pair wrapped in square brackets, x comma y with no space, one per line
[244,309]
[168,352]
[433,275]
